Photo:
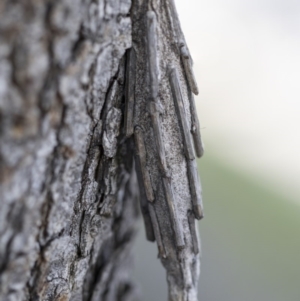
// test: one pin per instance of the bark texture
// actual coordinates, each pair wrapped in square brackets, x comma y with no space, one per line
[85,85]
[67,191]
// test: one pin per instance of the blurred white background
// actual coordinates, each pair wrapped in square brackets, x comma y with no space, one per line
[247,61]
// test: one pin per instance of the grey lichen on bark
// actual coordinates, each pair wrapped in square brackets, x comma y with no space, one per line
[71,97]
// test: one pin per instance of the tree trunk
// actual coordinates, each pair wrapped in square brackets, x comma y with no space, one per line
[76,79]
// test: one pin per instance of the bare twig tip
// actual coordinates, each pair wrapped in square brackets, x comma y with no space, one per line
[192,226]
[187,64]
[180,110]
[198,211]
[156,230]
[177,226]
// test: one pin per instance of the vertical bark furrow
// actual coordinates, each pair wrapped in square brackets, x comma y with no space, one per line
[59,124]
[199,149]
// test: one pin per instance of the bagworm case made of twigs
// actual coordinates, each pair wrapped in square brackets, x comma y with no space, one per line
[161,118]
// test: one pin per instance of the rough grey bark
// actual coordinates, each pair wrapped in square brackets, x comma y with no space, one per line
[70,98]
[67,194]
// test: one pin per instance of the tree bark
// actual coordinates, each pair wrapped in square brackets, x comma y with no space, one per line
[67,199]
[74,86]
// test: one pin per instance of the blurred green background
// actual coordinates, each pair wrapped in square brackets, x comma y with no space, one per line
[247,62]
[250,242]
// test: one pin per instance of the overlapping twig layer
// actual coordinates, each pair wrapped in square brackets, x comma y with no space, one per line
[167,136]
